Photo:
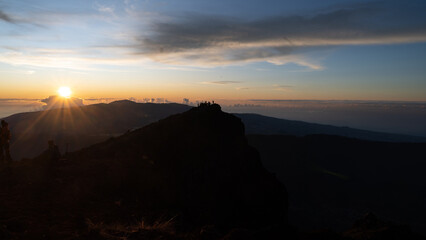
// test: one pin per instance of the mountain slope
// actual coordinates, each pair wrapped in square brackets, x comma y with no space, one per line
[196,167]
[333,180]
[78,127]
[258,124]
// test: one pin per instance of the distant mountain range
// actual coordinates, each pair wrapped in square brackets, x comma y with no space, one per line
[77,127]
[258,124]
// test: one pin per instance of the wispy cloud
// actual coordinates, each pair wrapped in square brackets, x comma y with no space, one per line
[76,59]
[196,42]
[104,9]
[282,87]
[242,88]
[217,40]
[40,17]
[222,82]
[52,39]
[5,17]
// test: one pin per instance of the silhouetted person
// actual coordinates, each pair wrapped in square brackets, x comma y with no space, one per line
[204,104]
[5,142]
[53,152]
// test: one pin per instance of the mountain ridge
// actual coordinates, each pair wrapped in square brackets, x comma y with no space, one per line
[77,127]
[74,128]
[260,124]
[194,167]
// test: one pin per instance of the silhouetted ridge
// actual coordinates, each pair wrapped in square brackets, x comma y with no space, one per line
[258,124]
[78,127]
[199,164]
[123,102]
[196,167]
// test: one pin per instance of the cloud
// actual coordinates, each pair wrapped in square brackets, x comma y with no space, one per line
[282,87]
[194,42]
[89,101]
[76,59]
[222,82]
[60,102]
[16,105]
[242,88]
[5,17]
[105,9]
[238,105]
[35,16]
[217,40]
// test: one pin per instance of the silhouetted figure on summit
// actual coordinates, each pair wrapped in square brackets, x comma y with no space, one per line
[209,106]
[204,104]
[5,142]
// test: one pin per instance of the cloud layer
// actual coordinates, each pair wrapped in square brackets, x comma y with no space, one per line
[60,102]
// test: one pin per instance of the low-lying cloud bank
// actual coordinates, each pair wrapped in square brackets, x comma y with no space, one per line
[61,102]
[12,106]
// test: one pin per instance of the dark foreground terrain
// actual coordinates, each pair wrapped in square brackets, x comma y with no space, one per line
[195,175]
[194,170]
[333,180]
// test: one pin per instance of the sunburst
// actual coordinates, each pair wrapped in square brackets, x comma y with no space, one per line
[64,92]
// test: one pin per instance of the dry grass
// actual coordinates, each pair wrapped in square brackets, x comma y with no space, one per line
[119,231]
[159,225]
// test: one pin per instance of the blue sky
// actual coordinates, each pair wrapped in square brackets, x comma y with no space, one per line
[334,49]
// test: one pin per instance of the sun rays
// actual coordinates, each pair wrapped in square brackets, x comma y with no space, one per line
[63,115]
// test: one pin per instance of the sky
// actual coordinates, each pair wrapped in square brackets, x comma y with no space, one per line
[223,50]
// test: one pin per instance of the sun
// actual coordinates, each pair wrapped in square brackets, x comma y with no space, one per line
[64,92]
